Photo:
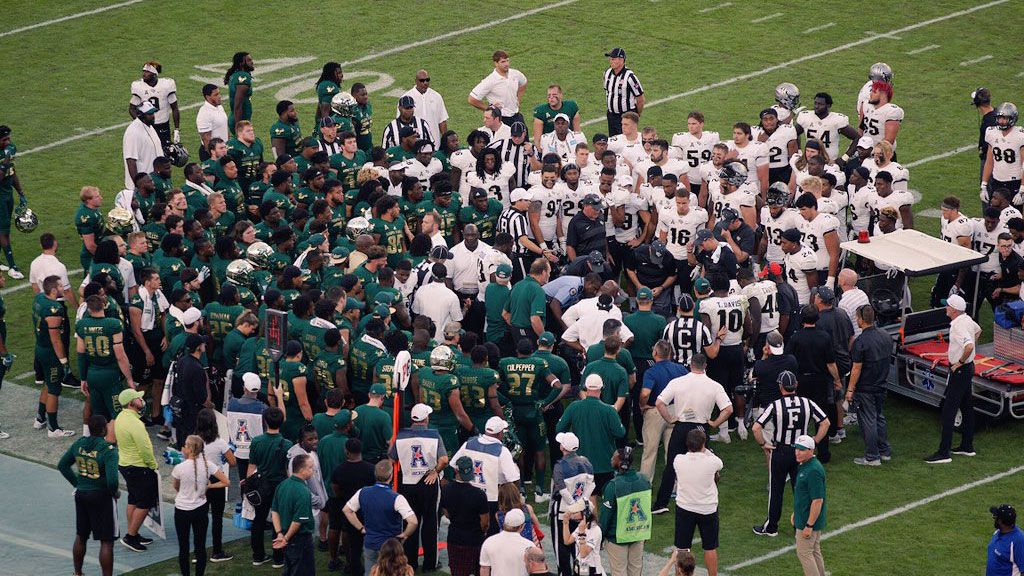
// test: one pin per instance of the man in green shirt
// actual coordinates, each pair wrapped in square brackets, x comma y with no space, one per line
[331,448]
[239,81]
[496,297]
[285,134]
[330,370]
[647,328]
[544,114]
[598,427]
[96,491]
[527,304]
[375,425]
[221,317]
[613,376]
[560,368]
[478,388]
[625,518]
[89,223]
[50,323]
[292,514]
[362,117]
[297,386]
[268,455]
[439,389]
[101,357]
[247,150]
[483,212]
[349,161]
[389,229]
[809,506]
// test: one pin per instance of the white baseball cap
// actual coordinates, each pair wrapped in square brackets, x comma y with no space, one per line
[251,382]
[562,115]
[776,344]
[521,194]
[567,440]
[593,382]
[956,302]
[865,142]
[804,442]
[495,425]
[420,412]
[191,316]
[514,517]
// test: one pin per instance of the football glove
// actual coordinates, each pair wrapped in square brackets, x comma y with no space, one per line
[204,273]
[985,197]
[176,138]
[7,360]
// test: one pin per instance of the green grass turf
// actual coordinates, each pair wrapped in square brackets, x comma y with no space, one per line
[73,77]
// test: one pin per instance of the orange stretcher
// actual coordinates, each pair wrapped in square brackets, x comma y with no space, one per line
[987,367]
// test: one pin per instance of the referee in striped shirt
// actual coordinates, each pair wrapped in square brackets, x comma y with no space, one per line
[622,89]
[515,222]
[516,151]
[776,430]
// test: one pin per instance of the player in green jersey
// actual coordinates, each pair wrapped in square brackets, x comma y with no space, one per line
[102,360]
[390,231]
[89,223]
[349,161]
[482,212]
[247,150]
[50,323]
[9,183]
[239,82]
[285,134]
[478,388]
[364,353]
[296,384]
[362,117]
[439,389]
[327,87]
[221,317]
[330,369]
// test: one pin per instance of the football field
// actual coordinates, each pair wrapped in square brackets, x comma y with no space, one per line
[64,92]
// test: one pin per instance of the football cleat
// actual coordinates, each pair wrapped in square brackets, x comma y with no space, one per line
[343,104]
[734,173]
[1008,111]
[880,71]
[787,95]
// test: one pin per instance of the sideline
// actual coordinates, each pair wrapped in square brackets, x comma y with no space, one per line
[68,17]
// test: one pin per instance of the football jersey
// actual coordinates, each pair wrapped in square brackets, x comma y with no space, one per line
[693,150]
[860,209]
[812,235]
[592,171]
[782,113]
[464,160]
[802,173]
[950,230]
[1006,152]
[708,173]
[804,260]
[656,199]
[835,204]
[632,152]
[773,229]
[417,170]
[728,311]
[633,204]
[985,242]
[767,294]
[496,184]
[162,96]
[489,262]
[570,200]
[752,155]
[681,228]
[895,199]
[863,96]
[825,129]
[1009,213]
[745,195]
[900,175]
[875,119]
[566,149]
[550,209]
[670,166]
[777,144]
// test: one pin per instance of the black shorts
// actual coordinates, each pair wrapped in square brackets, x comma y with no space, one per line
[687,521]
[727,367]
[96,514]
[1012,185]
[138,358]
[143,491]
[780,174]
[336,519]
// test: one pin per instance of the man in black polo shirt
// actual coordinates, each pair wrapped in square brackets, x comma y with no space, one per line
[346,479]
[583,265]
[713,255]
[872,357]
[737,235]
[465,506]
[774,361]
[982,100]
[840,331]
[652,266]
[818,375]
[586,231]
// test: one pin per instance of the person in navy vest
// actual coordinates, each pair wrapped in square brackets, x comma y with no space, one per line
[422,458]
[493,464]
[378,513]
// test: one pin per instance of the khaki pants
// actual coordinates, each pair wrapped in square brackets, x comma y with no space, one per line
[656,431]
[625,559]
[808,550]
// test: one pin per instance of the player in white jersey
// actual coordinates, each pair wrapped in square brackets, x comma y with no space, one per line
[660,158]
[693,147]
[489,262]
[629,215]
[881,159]
[787,99]
[629,145]
[833,199]
[776,218]
[781,140]
[813,161]
[820,232]
[752,153]
[710,169]
[562,141]
[985,241]
[732,191]
[161,93]
[878,71]
[860,192]
[723,310]
[801,265]
[824,125]
[463,162]
[885,196]
[764,296]
[424,165]
[546,208]
[492,175]
[955,228]
[662,199]
[1005,151]
[883,121]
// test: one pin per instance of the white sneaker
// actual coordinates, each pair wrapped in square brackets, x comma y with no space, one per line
[15,274]
[540,497]
[38,425]
[742,431]
[59,433]
[723,436]
[4,435]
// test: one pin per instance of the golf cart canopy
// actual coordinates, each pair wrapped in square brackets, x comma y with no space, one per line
[915,253]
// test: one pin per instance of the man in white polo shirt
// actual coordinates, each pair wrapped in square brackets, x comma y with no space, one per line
[46,265]
[429,104]
[963,339]
[140,144]
[502,89]
[697,474]
[503,553]
[211,119]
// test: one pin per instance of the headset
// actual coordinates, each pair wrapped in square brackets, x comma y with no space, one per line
[980,96]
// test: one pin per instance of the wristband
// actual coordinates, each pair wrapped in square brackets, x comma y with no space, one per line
[846,157]
[64,361]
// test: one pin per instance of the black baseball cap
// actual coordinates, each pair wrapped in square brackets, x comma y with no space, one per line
[477,193]
[194,341]
[604,302]
[596,262]
[616,53]
[406,102]
[518,128]
[591,200]
[599,137]
[1004,513]
[405,132]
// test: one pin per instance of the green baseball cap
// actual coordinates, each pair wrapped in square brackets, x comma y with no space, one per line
[378,389]
[128,394]
[382,310]
[464,466]
[316,239]
[503,271]
[645,294]
[344,417]
[702,286]
[353,304]
[382,297]
[546,339]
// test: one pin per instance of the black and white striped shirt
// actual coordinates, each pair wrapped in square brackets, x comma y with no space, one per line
[514,154]
[422,128]
[516,224]
[790,416]
[621,90]
[688,336]
[331,148]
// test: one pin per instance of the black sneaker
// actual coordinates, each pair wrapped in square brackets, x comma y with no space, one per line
[132,544]
[961,451]
[659,510]
[334,565]
[762,531]
[321,545]
[277,564]
[260,561]
[220,557]
[164,434]
[938,458]
[143,540]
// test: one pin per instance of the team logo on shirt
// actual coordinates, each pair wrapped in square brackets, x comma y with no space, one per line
[418,459]
[577,491]
[636,511]
[243,431]
[478,471]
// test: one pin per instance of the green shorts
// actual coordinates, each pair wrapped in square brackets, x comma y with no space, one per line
[529,426]
[6,210]
[104,387]
[49,370]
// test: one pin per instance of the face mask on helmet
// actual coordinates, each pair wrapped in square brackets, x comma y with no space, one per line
[343,104]
[25,220]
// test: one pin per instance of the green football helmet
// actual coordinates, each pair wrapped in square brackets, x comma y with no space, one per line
[356,227]
[258,254]
[343,104]
[442,358]
[25,220]
[240,272]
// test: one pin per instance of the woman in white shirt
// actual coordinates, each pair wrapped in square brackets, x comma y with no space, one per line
[222,456]
[191,479]
[586,537]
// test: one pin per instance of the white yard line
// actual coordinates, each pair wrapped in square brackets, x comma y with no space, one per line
[946,154]
[923,49]
[977,60]
[767,18]
[69,17]
[716,7]
[818,28]
[24,375]
[802,59]
[361,59]
[880,517]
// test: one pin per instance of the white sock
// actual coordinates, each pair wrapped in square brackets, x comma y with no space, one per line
[741,422]
[85,430]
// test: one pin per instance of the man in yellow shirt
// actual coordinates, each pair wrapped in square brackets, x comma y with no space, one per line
[137,464]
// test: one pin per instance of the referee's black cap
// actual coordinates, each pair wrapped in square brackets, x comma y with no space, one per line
[685,303]
[788,381]
[406,102]
[1004,513]
[517,128]
[616,53]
